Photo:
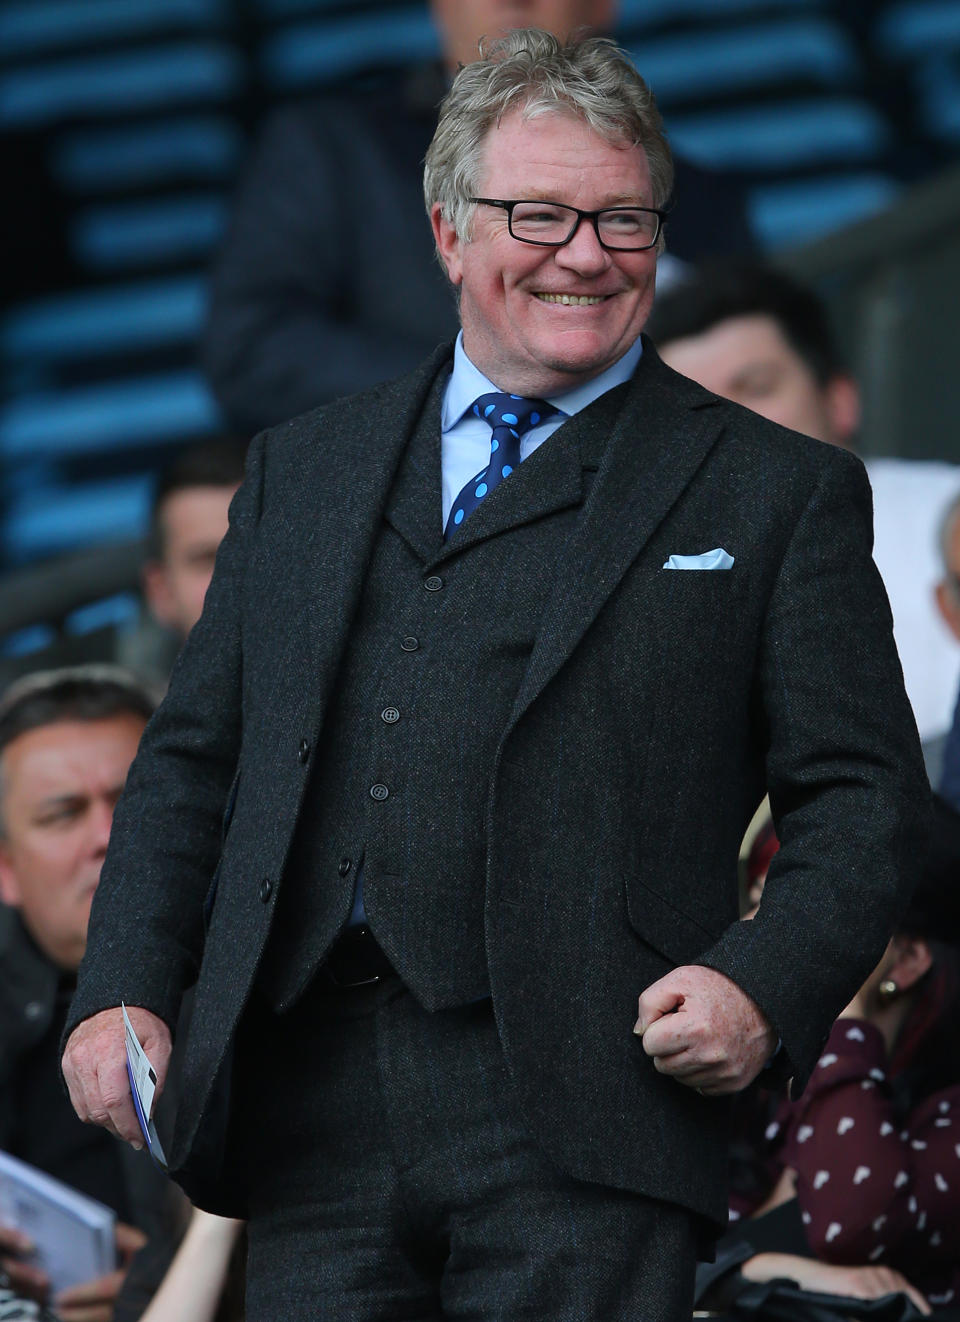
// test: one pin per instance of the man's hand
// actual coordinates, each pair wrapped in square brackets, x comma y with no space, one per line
[704,1031]
[93,1301]
[95,1068]
[25,1279]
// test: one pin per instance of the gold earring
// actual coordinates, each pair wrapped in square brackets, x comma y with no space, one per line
[887,990]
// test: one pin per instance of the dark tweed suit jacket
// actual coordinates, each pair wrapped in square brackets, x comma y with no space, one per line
[655,709]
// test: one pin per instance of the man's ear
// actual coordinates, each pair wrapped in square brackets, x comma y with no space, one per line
[156,590]
[9,886]
[843,407]
[448,244]
[949,606]
[911,960]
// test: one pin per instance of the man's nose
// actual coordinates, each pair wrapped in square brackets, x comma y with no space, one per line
[100,823]
[584,252]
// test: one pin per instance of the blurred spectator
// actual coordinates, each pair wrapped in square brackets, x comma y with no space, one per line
[328,281]
[67,739]
[188,522]
[852,1188]
[756,336]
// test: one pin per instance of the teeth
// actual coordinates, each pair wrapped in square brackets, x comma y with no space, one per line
[571,300]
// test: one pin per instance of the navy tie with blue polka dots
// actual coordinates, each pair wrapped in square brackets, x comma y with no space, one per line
[510,417]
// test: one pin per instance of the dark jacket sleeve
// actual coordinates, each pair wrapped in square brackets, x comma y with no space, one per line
[845,775]
[146,925]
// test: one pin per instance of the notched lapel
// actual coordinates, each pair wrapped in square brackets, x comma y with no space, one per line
[365,441]
[661,428]
[415,505]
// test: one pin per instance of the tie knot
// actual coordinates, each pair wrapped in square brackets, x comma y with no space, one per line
[515,412]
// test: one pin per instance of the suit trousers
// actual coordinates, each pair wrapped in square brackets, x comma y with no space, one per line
[390,1177]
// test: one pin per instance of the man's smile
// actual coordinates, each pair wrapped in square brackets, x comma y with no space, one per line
[572,300]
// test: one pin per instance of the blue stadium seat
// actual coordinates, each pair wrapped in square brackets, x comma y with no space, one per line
[49,521]
[125,234]
[286,8]
[802,210]
[33,27]
[150,314]
[113,415]
[118,83]
[201,147]
[937,82]
[741,60]
[324,51]
[650,13]
[783,136]
[917,28]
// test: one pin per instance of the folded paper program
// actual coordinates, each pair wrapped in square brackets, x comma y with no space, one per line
[716,559]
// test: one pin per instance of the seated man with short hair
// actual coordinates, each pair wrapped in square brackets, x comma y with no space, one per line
[67,738]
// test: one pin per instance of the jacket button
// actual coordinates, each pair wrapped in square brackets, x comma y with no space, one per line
[303,752]
[390,715]
[379,792]
[344,866]
[410,644]
[433,583]
[266,890]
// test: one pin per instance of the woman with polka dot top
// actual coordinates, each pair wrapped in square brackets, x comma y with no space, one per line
[854,1187]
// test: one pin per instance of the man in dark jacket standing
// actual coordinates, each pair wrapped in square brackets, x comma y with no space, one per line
[495,665]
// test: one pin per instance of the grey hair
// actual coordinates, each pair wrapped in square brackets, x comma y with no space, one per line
[532,71]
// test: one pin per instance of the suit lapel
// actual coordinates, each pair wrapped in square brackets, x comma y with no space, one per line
[415,506]
[364,441]
[660,428]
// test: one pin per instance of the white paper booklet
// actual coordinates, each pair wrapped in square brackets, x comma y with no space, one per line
[73,1234]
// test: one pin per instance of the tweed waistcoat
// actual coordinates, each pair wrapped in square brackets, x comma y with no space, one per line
[436,655]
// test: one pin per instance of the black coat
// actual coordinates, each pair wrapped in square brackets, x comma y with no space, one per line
[656,708]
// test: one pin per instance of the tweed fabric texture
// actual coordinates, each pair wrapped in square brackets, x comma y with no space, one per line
[422,726]
[654,709]
[397,1179]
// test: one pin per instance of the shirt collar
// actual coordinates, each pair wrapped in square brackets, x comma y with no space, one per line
[467,382]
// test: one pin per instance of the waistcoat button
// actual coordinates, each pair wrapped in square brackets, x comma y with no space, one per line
[410,644]
[390,715]
[379,792]
[344,866]
[433,583]
[266,890]
[303,752]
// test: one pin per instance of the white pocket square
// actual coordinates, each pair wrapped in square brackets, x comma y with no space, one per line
[716,559]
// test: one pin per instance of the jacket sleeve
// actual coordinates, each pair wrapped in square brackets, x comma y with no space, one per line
[146,926]
[845,775]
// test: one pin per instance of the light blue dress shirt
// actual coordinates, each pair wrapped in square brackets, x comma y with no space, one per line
[465,438]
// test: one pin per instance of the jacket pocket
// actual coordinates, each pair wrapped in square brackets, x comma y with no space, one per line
[669,930]
[211,896]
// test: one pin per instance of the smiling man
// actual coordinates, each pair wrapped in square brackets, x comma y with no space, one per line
[444,804]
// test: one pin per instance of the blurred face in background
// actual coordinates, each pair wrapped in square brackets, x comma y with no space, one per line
[59,785]
[749,360]
[193,522]
[463,22]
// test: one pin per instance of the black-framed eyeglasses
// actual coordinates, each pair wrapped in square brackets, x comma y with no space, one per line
[551,224]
